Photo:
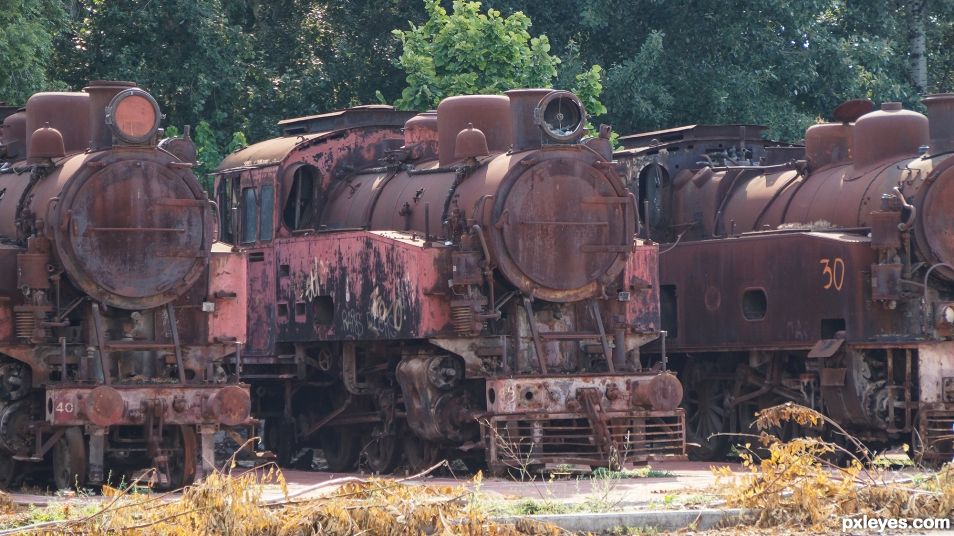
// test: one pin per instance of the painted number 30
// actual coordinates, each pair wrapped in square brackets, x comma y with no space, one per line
[833,272]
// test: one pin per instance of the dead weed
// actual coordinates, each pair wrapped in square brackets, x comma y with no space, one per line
[797,485]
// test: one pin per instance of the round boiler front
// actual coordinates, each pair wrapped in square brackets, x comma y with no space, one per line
[561,227]
[934,230]
[132,233]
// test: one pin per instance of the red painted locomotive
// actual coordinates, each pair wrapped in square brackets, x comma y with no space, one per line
[821,275]
[116,313]
[463,282]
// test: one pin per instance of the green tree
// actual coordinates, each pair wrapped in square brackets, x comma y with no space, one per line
[185,52]
[780,63]
[26,46]
[471,52]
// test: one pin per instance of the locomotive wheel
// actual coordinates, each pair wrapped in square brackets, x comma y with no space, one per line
[705,414]
[341,449]
[280,439]
[69,460]
[421,454]
[183,453]
[382,451]
[11,472]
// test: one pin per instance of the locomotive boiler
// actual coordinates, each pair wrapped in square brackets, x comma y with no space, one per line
[821,274]
[464,282]
[116,312]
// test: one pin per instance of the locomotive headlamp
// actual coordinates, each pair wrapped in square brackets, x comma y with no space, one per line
[133,116]
[560,115]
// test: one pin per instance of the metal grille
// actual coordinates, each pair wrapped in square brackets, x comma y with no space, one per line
[631,437]
[939,435]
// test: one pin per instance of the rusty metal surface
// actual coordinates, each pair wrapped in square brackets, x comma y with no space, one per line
[420,136]
[621,392]
[640,290]
[528,441]
[14,137]
[355,117]
[566,240]
[130,230]
[935,241]
[355,286]
[940,109]
[850,110]
[488,113]
[128,405]
[827,143]
[228,295]
[101,93]
[66,112]
[753,133]
[817,283]
[890,132]
[46,142]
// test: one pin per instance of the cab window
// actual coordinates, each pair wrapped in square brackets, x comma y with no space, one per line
[249,216]
[268,208]
[226,213]
[298,212]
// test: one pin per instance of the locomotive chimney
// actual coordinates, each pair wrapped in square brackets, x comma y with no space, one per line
[940,108]
[101,93]
[549,115]
[526,134]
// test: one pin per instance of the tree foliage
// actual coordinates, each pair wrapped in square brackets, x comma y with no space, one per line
[26,47]
[241,65]
[470,52]
[184,52]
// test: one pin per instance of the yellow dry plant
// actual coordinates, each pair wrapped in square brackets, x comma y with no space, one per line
[797,485]
[227,504]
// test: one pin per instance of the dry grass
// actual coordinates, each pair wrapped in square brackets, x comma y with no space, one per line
[797,486]
[234,504]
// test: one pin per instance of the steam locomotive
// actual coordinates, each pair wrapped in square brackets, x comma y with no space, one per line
[116,311]
[821,274]
[462,283]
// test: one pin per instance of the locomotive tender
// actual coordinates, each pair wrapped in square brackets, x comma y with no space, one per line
[464,282]
[822,275]
[116,312]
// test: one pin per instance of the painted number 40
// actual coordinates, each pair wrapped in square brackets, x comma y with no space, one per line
[833,273]
[65,407]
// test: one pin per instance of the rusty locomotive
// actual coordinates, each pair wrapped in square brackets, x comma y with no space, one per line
[465,282]
[821,274]
[116,311]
